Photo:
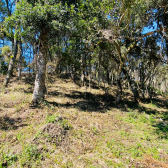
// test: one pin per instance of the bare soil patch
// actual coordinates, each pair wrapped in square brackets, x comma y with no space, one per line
[53,133]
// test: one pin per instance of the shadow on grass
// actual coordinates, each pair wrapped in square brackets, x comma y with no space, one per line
[29,90]
[157,102]
[162,130]
[131,106]
[89,102]
[100,103]
[160,118]
[29,79]
[7,123]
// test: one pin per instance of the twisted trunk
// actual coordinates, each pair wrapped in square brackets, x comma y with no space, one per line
[39,88]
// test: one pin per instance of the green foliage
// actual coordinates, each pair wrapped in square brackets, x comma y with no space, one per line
[7,159]
[30,156]
[56,118]
[165,116]
[7,53]
[3,67]
[66,125]
[159,92]
[37,16]
[6,50]
[3,10]
[116,147]
[51,118]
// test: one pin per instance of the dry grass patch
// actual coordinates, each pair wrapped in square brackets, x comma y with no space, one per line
[78,127]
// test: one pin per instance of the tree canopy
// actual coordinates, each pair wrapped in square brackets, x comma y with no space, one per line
[101,39]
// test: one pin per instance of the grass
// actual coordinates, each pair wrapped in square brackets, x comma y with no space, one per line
[89,130]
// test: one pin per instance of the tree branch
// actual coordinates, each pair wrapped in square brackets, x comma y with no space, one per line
[124,14]
[118,49]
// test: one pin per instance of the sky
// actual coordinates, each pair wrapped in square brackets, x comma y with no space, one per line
[147,29]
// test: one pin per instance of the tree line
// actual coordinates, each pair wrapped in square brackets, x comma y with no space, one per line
[115,42]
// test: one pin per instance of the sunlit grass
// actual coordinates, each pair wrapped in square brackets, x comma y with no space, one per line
[110,137]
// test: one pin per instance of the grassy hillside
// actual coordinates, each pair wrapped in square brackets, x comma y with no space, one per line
[80,127]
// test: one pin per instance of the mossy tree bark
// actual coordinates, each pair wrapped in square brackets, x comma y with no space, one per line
[39,88]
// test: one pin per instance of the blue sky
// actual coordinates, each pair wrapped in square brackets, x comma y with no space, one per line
[147,29]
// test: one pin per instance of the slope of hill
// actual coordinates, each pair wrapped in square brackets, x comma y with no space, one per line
[80,127]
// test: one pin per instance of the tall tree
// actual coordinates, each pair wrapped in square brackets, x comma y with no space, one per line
[44,19]
[8,31]
[127,20]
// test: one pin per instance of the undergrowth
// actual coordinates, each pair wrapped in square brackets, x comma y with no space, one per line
[93,131]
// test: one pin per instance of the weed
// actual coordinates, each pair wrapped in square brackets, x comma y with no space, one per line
[7,159]
[26,100]
[51,118]
[38,134]
[165,116]
[95,130]
[143,119]
[114,164]
[55,118]
[19,136]
[147,137]
[159,92]
[4,135]
[133,115]
[45,103]
[129,109]
[52,107]
[151,119]
[81,132]
[137,151]
[13,97]
[116,147]
[124,133]
[18,108]
[66,125]
[29,155]
[68,164]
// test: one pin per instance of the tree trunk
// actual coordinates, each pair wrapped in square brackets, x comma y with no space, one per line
[99,63]
[20,59]
[39,88]
[90,73]
[107,77]
[82,71]
[119,91]
[82,78]
[35,50]
[132,85]
[11,64]
[73,73]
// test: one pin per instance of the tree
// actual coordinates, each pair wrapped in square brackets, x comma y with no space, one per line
[8,7]
[44,19]
[106,36]
[126,22]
